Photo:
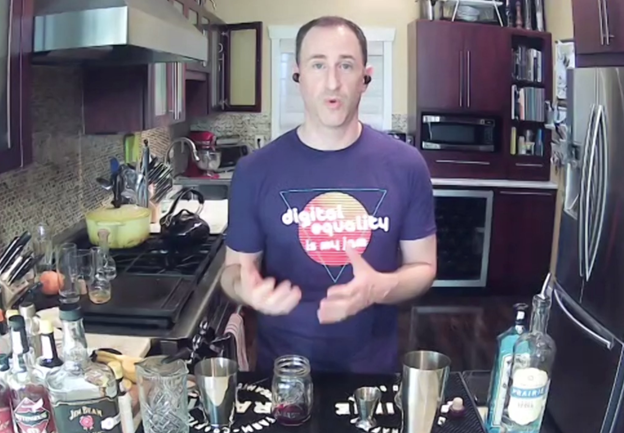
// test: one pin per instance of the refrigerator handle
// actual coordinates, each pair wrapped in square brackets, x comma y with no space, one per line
[594,335]
[588,219]
[583,193]
[603,166]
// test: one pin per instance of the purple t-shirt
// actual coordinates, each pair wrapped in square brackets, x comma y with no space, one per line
[301,206]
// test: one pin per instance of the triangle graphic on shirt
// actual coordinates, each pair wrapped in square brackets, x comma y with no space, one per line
[370,198]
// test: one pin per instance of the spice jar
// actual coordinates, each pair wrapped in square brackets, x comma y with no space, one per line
[292,390]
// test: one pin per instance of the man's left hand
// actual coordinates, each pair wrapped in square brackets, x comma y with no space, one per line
[345,300]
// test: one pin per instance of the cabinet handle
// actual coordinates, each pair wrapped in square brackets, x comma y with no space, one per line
[540,193]
[461,161]
[601,23]
[525,164]
[605,13]
[461,78]
[468,80]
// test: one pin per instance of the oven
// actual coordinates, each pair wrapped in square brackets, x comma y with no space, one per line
[464,227]
[459,133]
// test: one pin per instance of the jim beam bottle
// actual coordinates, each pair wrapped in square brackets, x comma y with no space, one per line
[83,393]
[29,400]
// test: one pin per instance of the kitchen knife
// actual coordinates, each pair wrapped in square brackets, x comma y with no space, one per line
[10,252]
[25,267]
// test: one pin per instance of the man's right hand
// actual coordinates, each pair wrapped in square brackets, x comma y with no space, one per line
[263,295]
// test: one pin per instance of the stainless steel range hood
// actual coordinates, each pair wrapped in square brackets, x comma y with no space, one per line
[114,32]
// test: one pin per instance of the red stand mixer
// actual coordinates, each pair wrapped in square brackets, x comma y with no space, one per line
[204,158]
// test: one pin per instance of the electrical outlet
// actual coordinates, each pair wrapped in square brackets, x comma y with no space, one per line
[259,141]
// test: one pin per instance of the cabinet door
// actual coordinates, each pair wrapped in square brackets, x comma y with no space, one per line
[217,70]
[486,69]
[160,104]
[15,44]
[597,26]
[522,236]
[440,65]
[242,63]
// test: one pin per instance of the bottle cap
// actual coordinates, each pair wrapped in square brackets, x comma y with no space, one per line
[117,369]
[458,404]
[45,327]
[11,313]
[17,323]
[521,310]
[70,312]
[27,309]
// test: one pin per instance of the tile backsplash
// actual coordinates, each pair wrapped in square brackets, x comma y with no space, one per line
[59,187]
[250,125]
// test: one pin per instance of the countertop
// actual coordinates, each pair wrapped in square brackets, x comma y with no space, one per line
[225,179]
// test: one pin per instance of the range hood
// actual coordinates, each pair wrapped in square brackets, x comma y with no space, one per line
[114,32]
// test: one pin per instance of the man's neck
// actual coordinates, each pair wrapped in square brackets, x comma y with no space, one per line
[327,139]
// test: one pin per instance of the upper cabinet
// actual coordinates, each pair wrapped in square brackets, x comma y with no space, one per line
[464,69]
[16,46]
[123,99]
[598,32]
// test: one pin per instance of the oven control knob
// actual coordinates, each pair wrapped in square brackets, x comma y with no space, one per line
[204,326]
[197,342]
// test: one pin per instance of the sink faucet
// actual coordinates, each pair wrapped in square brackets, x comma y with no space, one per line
[186,141]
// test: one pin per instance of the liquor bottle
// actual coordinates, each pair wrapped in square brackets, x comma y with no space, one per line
[6,418]
[502,368]
[531,368]
[49,358]
[28,311]
[83,393]
[29,400]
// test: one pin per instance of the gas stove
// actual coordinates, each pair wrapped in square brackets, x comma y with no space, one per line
[157,292]
[153,257]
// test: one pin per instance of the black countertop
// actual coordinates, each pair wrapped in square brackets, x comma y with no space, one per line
[333,411]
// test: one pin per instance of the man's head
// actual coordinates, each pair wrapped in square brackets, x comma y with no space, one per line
[332,72]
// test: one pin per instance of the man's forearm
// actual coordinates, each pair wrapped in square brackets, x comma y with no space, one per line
[407,282]
[230,278]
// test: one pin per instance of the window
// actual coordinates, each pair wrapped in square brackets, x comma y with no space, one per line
[286,102]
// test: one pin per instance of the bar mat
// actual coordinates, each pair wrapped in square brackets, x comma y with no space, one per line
[334,409]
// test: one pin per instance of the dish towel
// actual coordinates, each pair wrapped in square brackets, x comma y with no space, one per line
[236,328]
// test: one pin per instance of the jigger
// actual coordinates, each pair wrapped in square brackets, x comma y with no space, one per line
[366,399]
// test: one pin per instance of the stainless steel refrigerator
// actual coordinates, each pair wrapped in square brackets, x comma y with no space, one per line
[587,316]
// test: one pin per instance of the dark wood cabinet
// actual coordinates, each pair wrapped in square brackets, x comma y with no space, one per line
[470,70]
[133,98]
[521,241]
[15,117]
[597,26]
[462,67]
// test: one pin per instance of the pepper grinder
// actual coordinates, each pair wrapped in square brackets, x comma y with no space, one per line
[366,400]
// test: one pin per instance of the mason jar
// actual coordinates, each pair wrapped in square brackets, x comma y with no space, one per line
[292,390]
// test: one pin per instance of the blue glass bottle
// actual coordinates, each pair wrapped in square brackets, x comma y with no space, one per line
[502,368]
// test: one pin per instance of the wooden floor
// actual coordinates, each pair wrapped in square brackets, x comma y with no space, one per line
[464,328]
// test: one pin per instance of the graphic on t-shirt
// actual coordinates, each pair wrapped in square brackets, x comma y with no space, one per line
[329,220]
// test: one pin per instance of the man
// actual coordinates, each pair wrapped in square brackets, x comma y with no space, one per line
[331,224]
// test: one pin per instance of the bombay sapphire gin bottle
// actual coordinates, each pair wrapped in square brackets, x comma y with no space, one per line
[502,368]
[531,368]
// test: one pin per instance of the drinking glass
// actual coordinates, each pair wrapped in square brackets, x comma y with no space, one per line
[292,390]
[100,287]
[163,395]
[67,267]
[43,247]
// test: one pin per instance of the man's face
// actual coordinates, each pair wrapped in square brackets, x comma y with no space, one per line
[332,72]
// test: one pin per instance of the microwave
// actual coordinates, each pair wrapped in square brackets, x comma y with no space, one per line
[459,133]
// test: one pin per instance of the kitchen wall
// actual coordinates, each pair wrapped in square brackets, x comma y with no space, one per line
[59,187]
[388,13]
